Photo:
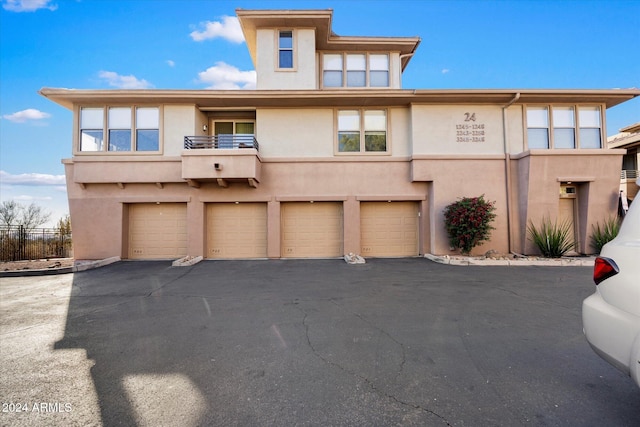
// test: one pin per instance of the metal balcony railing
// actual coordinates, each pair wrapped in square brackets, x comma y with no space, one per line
[629,174]
[229,142]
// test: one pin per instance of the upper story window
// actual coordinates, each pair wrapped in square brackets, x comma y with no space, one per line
[285,49]
[362,131]
[355,70]
[559,127]
[116,132]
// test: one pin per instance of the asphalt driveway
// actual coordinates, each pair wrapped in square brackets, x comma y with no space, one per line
[305,342]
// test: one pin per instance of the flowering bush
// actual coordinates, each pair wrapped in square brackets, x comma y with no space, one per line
[468,222]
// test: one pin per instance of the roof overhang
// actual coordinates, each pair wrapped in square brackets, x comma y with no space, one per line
[326,40]
[251,99]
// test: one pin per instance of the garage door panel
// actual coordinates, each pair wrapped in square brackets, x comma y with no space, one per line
[389,228]
[311,230]
[157,231]
[237,230]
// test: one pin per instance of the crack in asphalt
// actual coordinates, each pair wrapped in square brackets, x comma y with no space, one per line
[366,380]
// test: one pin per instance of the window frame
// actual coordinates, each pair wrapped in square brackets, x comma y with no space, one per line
[552,128]
[362,132]
[345,70]
[279,49]
[106,128]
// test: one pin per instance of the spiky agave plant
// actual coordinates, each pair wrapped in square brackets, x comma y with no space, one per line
[606,233]
[553,239]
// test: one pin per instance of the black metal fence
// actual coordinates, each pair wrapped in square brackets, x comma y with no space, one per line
[19,243]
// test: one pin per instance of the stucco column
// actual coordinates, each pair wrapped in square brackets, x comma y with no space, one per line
[196,228]
[273,229]
[351,226]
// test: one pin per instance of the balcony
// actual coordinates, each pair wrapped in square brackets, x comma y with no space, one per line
[221,158]
[221,142]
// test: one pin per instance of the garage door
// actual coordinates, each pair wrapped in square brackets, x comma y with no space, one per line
[157,231]
[311,230]
[389,229]
[237,230]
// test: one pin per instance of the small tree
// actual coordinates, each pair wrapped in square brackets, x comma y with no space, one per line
[29,217]
[468,222]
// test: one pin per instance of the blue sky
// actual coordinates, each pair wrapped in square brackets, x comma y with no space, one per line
[196,44]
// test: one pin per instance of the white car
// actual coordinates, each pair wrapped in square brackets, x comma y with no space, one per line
[611,316]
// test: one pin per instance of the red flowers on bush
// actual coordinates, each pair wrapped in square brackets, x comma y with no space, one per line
[468,222]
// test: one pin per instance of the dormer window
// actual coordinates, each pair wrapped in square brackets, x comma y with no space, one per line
[355,70]
[285,49]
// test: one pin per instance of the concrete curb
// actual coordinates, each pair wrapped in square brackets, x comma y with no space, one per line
[518,262]
[78,266]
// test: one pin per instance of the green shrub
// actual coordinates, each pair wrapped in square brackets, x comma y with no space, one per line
[604,234]
[468,222]
[553,239]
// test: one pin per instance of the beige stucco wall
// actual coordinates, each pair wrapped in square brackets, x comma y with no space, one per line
[457,129]
[539,177]
[180,121]
[302,76]
[311,132]
[306,132]
[452,179]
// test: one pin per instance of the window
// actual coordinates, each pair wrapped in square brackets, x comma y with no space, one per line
[589,121]
[120,134]
[231,134]
[362,131]
[147,129]
[538,127]
[285,49]
[355,70]
[91,129]
[564,127]
[332,74]
[555,127]
[379,70]
[119,129]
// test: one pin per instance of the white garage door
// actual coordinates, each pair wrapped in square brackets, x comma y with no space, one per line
[157,231]
[311,230]
[237,230]
[389,229]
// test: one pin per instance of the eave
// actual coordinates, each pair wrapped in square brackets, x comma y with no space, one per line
[251,99]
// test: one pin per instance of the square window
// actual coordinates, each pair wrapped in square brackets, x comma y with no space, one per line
[147,140]
[91,140]
[119,139]
[590,138]
[358,126]
[537,138]
[285,59]
[564,138]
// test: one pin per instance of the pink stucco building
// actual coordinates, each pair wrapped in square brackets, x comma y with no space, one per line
[328,156]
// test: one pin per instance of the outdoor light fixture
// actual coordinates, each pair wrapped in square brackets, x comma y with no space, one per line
[204,128]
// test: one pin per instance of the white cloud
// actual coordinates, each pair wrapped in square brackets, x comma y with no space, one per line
[25,115]
[229,29]
[32,179]
[123,82]
[224,76]
[445,70]
[27,198]
[28,5]
[171,63]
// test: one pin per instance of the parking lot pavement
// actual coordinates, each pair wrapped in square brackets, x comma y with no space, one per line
[305,342]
